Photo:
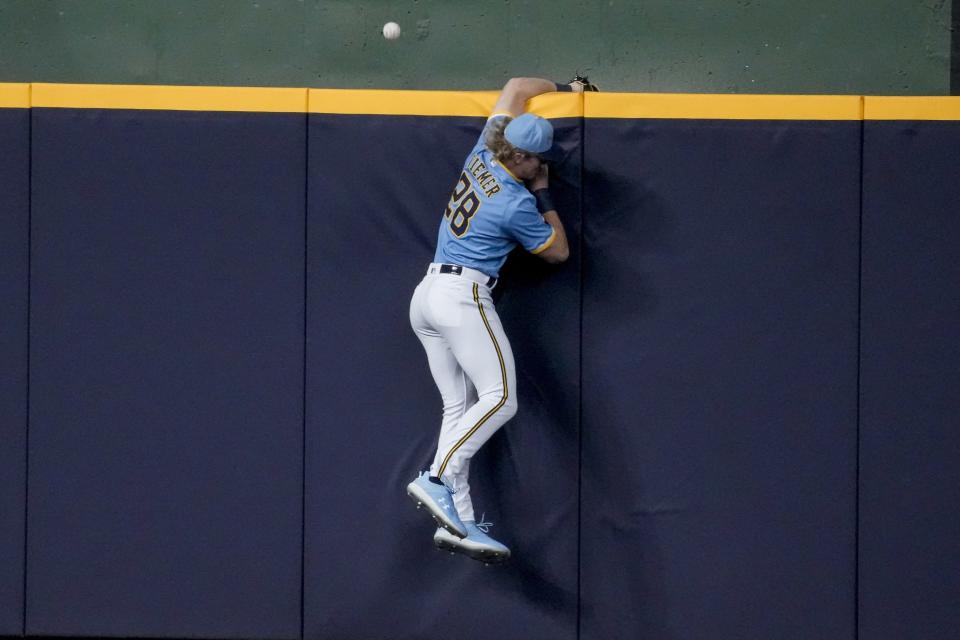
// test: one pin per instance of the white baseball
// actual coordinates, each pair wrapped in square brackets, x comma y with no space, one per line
[391,31]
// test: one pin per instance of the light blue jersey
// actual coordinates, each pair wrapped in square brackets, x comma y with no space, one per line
[489,213]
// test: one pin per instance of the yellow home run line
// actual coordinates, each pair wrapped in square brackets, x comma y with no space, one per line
[478,103]
[14,96]
[912,108]
[167,98]
[434,103]
[721,106]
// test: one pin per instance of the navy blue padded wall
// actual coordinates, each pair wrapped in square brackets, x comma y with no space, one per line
[14,238]
[909,440]
[373,413]
[166,374]
[719,379]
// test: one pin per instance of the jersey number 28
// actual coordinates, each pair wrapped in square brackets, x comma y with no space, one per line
[463,205]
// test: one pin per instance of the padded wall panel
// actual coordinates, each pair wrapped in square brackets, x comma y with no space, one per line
[167,374]
[14,238]
[373,414]
[910,444]
[719,379]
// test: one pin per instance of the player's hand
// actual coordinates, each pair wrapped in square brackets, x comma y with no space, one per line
[541,180]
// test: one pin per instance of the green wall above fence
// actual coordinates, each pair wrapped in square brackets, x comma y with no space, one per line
[877,47]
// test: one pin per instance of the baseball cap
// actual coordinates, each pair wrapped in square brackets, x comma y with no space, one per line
[529,132]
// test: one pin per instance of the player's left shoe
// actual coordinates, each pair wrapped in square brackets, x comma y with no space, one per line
[438,499]
[477,545]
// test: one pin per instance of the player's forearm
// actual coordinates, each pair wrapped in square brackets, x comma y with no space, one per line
[518,90]
[527,88]
[559,250]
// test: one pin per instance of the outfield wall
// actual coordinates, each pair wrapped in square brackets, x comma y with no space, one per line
[735,398]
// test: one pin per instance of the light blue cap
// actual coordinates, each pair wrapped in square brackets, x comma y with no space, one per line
[530,133]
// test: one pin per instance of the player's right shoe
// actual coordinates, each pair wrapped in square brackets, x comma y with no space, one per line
[477,545]
[438,499]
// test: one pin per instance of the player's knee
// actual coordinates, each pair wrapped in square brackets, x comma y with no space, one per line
[505,404]
[509,408]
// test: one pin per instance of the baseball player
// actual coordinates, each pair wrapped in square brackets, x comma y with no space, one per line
[500,200]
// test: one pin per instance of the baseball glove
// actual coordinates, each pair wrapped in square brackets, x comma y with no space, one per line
[584,82]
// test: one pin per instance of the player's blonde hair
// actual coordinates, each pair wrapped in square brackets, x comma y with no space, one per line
[497,143]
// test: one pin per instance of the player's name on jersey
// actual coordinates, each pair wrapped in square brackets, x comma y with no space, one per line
[484,178]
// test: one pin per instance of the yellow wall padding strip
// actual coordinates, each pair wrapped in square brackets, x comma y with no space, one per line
[105,96]
[14,96]
[911,108]
[478,103]
[721,106]
[434,103]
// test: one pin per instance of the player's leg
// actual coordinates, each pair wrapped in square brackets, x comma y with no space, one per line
[455,391]
[460,482]
[482,350]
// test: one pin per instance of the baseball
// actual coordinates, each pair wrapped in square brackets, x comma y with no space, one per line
[391,31]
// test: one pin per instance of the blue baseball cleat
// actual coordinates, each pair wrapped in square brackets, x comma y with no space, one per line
[477,545]
[438,499]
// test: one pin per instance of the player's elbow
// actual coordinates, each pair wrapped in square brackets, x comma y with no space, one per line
[561,255]
[556,254]
[516,84]
[522,88]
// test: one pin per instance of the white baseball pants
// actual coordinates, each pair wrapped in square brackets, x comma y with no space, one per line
[472,365]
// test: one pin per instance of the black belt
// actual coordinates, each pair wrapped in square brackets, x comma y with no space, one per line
[457,270]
